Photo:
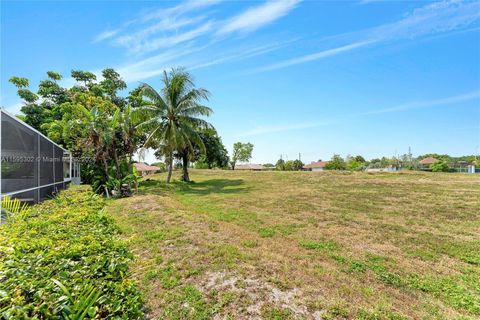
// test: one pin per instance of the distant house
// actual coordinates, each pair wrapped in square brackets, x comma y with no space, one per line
[427,162]
[316,166]
[144,169]
[250,166]
[460,166]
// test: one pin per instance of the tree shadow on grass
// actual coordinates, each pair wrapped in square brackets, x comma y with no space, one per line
[212,186]
[154,186]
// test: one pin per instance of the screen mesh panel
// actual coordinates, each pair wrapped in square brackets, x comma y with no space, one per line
[19,156]
[58,164]
[46,161]
[32,167]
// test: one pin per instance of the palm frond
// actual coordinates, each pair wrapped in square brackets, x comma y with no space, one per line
[193,96]
[149,92]
[191,136]
[150,138]
[196,110]
[196,122]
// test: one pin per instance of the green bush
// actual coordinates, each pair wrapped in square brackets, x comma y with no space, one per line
[63,260]
[336,163]
[440,166]
[294,165]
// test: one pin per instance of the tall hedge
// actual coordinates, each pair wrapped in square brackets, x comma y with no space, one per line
[64,260]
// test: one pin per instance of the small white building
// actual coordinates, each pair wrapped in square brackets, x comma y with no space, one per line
[315,166]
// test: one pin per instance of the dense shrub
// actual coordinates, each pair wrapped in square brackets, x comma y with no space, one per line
[440,166]
[336,163]
[64,260]
[293,165]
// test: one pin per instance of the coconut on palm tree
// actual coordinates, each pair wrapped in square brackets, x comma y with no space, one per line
[173,116]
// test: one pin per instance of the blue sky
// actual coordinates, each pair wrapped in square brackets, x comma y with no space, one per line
[309,77]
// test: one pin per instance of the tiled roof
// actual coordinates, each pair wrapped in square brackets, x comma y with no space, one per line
[145,167]
[318,164]
[429,160]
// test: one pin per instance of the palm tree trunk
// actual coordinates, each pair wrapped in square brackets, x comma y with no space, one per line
[185,176]
[117,165]
[105,167]
[170,167]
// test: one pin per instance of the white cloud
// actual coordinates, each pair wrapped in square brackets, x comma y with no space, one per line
[180,9]
[165,21]
[155,65]
[427,103]
[135,39]
[106,35]
[138,45]
[168,28]
[257,17]
[242,54]
[431,19]
[315,56]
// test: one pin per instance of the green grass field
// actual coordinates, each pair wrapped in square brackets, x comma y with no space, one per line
[306,245]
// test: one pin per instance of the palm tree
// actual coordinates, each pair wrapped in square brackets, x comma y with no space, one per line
[172,116]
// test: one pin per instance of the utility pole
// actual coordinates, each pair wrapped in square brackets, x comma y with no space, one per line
[299,156]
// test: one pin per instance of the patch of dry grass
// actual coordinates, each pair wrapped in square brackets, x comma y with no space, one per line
[281,245]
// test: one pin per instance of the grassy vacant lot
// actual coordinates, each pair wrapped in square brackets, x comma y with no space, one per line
[281,245]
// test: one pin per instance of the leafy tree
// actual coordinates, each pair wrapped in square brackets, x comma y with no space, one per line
[447,158]
[356,163]
[469,159]
[241,152]
[379,163]
[35,115]
[297,165]
[135,98]
[440,166]
[293,165]
[336,163]
[94,122]
[111,84]
[216,154]
[84,76]
[172,117]
[269,165]
[88,122]
[55,76]
[280,165]
[288,165]
[19,82]
[359,159]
